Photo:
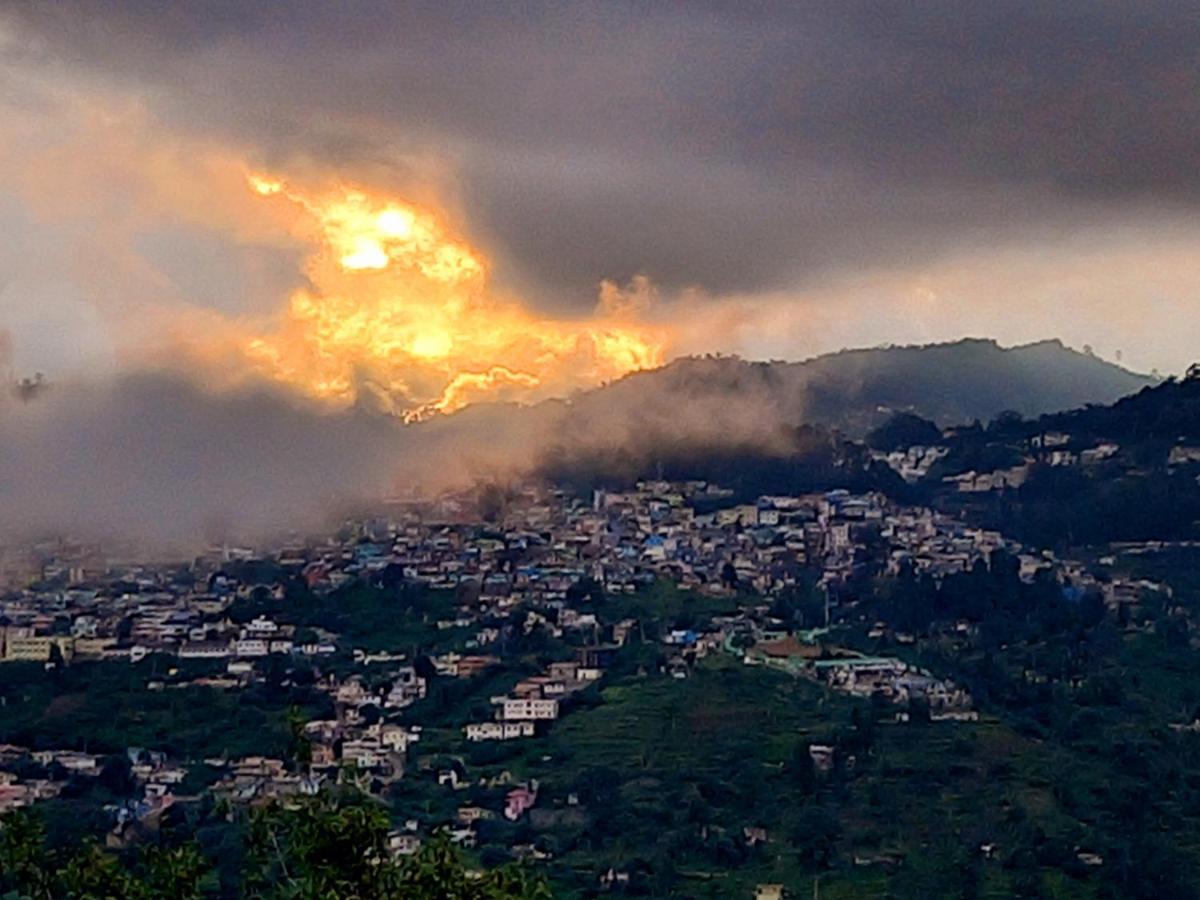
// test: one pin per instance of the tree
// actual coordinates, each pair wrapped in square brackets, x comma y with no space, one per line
[729,576]
[336,847]
[24,866]
[904,430]
[802,769]
[178,872]
[117,775]
[299,750]
[815,836]
[29,870]
[328,847]
[1006,420]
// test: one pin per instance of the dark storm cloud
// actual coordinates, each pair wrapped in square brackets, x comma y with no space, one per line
[737,146]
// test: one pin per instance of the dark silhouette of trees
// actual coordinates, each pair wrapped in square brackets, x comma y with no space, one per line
[328,847]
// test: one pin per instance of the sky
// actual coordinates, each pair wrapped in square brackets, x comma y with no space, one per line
[407,208]
[780,179]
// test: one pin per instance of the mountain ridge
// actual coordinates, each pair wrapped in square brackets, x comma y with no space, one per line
[856,389]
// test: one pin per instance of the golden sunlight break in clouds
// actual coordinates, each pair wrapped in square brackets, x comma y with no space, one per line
[399,311]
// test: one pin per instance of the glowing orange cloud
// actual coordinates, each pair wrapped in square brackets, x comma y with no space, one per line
[400,308]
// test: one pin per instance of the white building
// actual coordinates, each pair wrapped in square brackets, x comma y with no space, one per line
[514,710]
[498,731]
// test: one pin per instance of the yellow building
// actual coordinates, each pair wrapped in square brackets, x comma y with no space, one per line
[92,647]
[21,646]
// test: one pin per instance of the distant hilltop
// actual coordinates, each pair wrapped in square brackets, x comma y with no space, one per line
[855,390]
[739,422]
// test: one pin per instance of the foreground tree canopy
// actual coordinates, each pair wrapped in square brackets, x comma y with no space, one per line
[316,849]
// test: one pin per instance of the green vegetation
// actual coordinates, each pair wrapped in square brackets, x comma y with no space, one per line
[817,458]
[904,430]
[1070,786]
[387,615]
[664,606]
[675,777]
[1064,508]
[104,707]
[1095,689]
[1133,495]
[333,849]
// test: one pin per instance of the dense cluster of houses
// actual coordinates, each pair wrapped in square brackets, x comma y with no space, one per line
[541,546]
[544,544]
[1051,448]
[27,776]
[535,565]
[535,699]
[127,612]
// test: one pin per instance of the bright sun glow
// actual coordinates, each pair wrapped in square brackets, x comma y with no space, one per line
[400,307]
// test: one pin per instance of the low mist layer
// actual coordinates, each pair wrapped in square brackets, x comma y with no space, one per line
[156,457]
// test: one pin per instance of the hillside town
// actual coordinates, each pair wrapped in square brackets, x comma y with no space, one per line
[538,563]
[75,604]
